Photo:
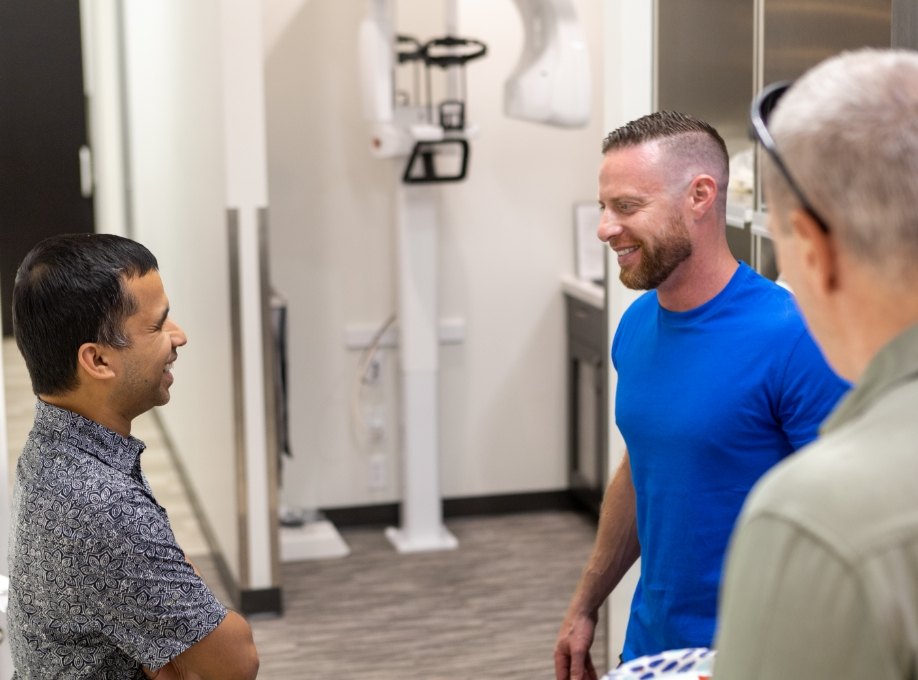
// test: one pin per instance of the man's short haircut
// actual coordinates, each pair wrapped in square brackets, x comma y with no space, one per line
[848,132]
[70,290]
[691,142]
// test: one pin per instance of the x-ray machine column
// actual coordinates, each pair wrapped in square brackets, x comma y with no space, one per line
[422,526]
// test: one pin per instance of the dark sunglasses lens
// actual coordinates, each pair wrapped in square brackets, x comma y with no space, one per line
[770,101]
[769,104]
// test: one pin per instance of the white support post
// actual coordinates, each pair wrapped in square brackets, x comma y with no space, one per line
[247,193]
[422,526]
[628,40]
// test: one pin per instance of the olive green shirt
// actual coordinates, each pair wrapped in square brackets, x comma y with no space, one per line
[822,574]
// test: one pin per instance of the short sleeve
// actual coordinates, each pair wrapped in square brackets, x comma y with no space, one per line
[792,608]
[135,581]
[809,391]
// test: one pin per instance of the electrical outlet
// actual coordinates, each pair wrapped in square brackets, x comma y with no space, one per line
[378,472]
[373,371]
[376,426]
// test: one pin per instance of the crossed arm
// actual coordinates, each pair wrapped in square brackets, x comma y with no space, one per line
[227,653]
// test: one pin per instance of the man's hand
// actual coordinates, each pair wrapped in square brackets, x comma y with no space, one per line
[572,649]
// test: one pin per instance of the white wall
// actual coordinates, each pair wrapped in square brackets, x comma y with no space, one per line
[505,241]
[176,149]
[103,87]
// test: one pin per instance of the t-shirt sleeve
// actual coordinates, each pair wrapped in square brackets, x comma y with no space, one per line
[136,582]
[791,608]
[808,391]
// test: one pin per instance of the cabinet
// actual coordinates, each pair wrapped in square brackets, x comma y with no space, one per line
[712,56]
[588,403]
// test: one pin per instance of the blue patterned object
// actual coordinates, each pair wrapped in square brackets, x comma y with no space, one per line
[98,584]
[675,664]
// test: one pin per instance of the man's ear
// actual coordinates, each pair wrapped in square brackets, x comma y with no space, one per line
[702,193]
[818,256]
[96,360]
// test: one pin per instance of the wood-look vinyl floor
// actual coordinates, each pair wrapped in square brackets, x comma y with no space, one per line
[490,609]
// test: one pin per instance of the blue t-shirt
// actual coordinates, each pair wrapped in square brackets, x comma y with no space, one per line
[707,401]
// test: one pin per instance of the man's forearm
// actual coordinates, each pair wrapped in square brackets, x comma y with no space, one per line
[616,547]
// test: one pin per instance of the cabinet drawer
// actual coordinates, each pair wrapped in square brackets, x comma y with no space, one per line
[585,323]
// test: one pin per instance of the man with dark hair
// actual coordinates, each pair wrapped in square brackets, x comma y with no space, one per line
[99,588]
[822,577]
[718,380]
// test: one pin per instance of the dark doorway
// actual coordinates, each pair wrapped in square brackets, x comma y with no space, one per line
[42,128]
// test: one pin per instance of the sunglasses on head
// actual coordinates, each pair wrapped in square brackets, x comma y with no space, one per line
[762,108]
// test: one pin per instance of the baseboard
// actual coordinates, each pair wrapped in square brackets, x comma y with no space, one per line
[262,601]
[386,514]
[507,504]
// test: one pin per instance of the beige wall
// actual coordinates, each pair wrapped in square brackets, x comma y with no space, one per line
[505,241]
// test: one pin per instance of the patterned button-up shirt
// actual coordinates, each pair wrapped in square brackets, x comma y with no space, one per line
[98,585]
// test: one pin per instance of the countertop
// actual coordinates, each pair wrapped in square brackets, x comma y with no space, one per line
[589,292]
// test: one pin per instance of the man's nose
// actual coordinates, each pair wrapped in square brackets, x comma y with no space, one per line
[178,335]
[609,227]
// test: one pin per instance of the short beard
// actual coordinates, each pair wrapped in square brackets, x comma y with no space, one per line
[660,258]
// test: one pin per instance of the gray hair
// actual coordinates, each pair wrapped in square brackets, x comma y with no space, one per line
[848,130]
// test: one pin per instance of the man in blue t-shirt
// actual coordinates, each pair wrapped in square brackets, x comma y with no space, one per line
[718,380]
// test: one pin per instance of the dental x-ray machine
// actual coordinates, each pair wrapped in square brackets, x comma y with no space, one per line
[550,85]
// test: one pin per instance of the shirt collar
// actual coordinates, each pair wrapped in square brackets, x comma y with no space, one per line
[121,453]
[895,363]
